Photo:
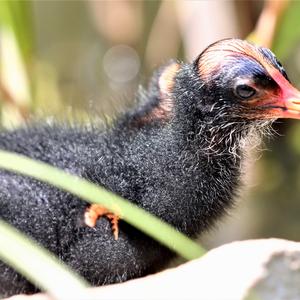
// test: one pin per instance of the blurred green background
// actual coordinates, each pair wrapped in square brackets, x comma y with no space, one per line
[78,60]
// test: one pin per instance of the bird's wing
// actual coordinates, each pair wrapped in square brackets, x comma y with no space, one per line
[156,103]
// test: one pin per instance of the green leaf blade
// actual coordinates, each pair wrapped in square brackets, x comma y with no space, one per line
[39,266]
[144,221]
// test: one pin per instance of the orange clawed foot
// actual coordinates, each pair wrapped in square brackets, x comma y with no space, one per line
[96,211]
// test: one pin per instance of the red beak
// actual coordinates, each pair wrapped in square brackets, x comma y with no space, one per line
[289,100]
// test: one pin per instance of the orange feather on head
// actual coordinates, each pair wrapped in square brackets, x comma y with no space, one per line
[220,53]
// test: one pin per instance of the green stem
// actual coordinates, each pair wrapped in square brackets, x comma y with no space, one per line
[92,193]
[39,266]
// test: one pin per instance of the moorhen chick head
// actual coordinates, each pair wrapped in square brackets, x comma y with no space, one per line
[244,82]
[229,94]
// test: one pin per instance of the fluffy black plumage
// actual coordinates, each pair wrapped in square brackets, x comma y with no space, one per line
[177,154]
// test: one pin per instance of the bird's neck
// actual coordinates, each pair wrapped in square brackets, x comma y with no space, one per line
[203,129]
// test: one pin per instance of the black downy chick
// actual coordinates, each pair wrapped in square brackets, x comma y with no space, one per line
[178,155]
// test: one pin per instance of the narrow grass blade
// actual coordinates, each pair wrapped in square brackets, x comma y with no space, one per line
[92,193]
[38,265]
[17,16]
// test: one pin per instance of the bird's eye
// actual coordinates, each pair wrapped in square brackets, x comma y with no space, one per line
[244,91]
